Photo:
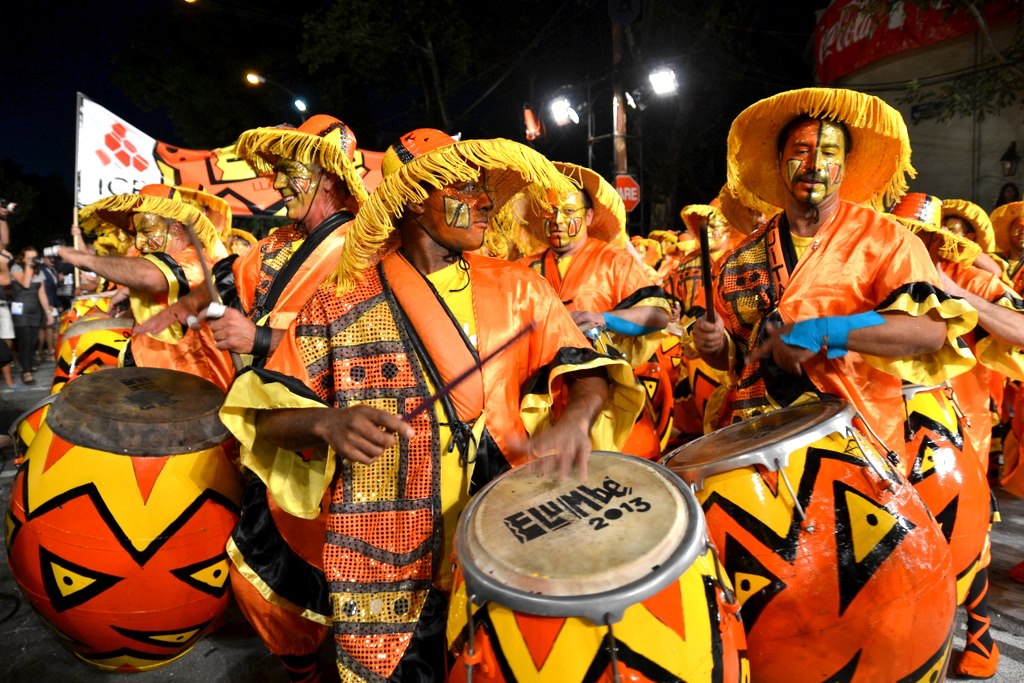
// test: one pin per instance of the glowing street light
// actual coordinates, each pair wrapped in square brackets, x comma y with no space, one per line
[254,78]
[663,81]
[562,112]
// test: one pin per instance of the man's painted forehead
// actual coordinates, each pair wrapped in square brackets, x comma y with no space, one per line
[148,221]
[295,169]
[828,132]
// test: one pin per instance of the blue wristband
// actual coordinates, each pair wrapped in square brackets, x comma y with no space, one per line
[614,323]
[830,332]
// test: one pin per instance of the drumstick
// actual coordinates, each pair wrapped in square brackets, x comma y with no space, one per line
[211,286]
[464,375]
[705,270]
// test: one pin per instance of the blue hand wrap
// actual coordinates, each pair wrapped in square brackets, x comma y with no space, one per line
[614,323]
[831,332]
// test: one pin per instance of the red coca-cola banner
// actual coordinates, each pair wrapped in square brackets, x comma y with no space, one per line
[854,33]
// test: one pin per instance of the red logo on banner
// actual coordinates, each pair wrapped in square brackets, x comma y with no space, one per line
[629,190]
[119,148]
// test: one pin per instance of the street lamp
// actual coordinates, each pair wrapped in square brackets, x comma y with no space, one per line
[254,78]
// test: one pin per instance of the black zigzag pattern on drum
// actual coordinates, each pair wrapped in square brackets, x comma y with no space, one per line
[95,355]
[845,675]
[854,575]
[932,669]
[143,556]
[744,571]
[916,421]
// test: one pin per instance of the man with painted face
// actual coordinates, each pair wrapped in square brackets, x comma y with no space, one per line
[168,267]
[828,297]
[600,283]
[409,310]
[276,570]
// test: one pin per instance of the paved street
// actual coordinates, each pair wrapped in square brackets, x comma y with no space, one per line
[32,654]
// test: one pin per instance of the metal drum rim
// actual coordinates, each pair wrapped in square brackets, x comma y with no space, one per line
[598,608]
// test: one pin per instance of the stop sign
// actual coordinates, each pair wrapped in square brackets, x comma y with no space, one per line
[629,190]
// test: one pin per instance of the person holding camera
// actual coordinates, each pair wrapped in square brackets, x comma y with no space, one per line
[30,309]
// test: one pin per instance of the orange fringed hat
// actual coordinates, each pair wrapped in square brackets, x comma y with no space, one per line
[322,140]
[740,216]
[984,233]
[922,214]
[877,166]
[693,213]
[177,203]
[431,158]
[1002,220]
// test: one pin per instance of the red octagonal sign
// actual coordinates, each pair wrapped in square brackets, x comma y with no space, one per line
[629,190]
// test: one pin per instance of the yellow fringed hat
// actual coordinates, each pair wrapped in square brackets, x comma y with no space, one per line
[322,140]
[432,158]
[741,217]
[949,246]
[1002,218]
[693,213]
[609,221]
[984,233]
[878,163]
[169,201]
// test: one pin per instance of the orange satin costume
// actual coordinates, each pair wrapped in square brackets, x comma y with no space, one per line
[194,352]
[374,346]
[859,262]
[603,278]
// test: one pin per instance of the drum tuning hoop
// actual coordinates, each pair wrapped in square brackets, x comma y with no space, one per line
[805,524]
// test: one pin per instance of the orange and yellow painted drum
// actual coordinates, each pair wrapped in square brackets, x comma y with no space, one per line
[609,578]
[25,427]
[659,376]
[84,307]
[118,519]
[841,572]
[88,345]
[951,482]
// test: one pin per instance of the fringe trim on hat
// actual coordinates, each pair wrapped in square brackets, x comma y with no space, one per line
[459,162]
[118,210]
[984,232]
[855,110]
[953,248]
[262,147]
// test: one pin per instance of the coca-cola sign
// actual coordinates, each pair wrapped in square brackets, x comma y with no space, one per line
[854,33]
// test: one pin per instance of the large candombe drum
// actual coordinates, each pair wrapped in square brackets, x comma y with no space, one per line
[577,580]
[949,477]
[119,516]
[841,572]
[90,344]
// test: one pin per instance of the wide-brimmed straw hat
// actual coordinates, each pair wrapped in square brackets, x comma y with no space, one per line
[877,165]
[609,219]
[322,140]
[740,216]
[431,158]
[693,214]
[169,201]
[984,233]
[1002,218]
[949,246]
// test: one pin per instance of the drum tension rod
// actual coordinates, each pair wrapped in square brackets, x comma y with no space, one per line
[951,395]
[808,527]
[470,658]
[730,595]
[612,649]
[871,463]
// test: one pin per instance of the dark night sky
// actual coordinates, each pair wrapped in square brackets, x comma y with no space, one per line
[57,48]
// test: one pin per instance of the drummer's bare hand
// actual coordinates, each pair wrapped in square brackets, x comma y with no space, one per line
[788,357]
[587,320]
[178,312]
[232,331]
[565,447]
[361,433]
[709,337]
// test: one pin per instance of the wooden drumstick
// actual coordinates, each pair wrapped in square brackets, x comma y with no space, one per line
[705,269]
[466,374]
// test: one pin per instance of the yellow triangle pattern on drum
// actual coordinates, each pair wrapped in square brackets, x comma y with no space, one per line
[141,521]
[175,638]
[69,582]
[751,583]
[869,524]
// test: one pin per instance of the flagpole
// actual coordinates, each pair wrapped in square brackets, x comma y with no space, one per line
[75,232]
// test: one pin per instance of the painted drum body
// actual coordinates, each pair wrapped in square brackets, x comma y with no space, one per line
[951,481]
[88,345]
[121,548]
[557,572]
[841,571]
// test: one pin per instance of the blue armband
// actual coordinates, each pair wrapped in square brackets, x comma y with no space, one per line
[831,332]
[614,323]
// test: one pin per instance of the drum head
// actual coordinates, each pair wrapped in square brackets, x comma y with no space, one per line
[139,411]
[760,440]
[579,548]
[80,327]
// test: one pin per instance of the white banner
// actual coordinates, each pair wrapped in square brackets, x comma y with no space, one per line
[112,156]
